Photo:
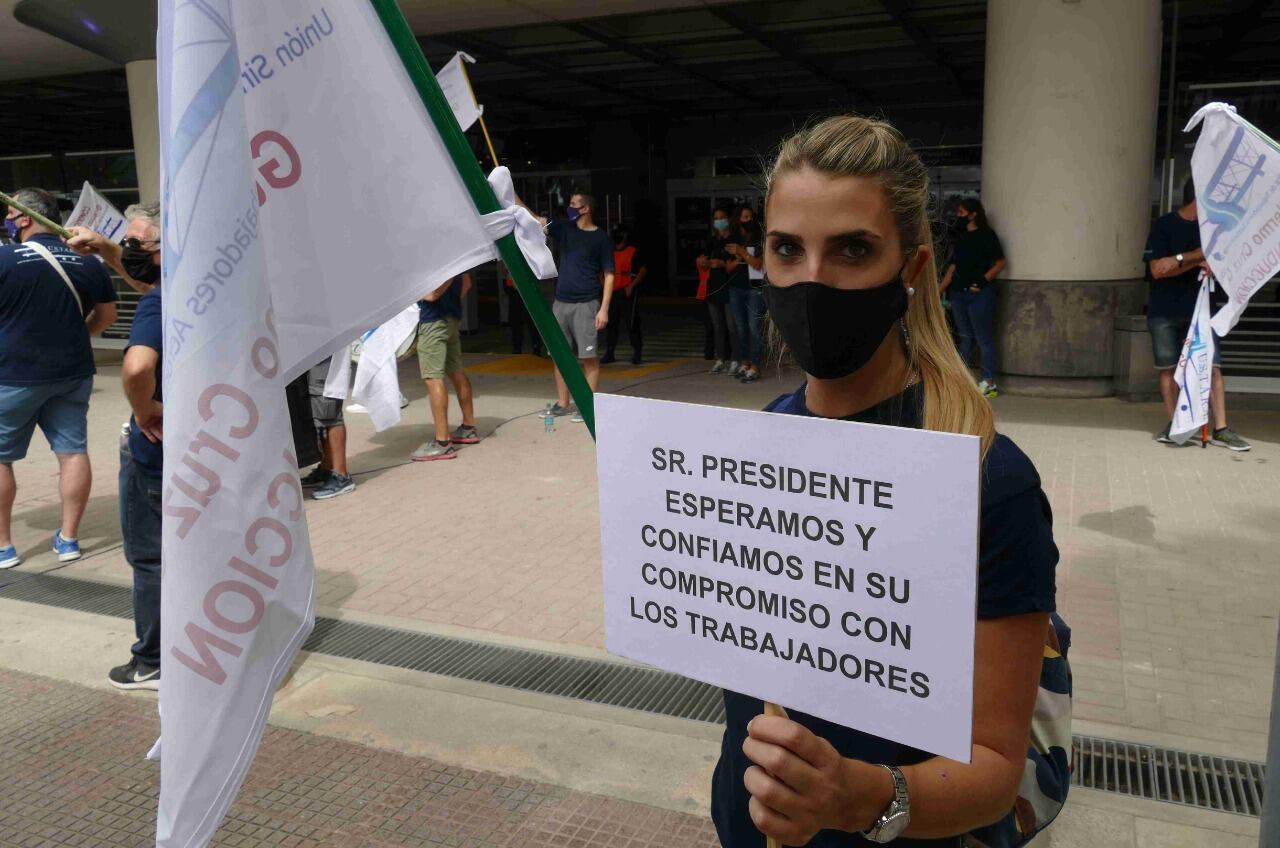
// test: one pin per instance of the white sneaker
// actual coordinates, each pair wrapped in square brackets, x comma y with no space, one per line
[718,368]
[983,385]
[404,401]
[732,369]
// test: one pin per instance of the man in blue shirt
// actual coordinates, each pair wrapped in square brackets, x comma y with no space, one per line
[51,301]
[1175,260]
[142,451]
[583,291]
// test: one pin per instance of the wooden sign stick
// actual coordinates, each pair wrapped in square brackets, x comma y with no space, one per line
[772,709]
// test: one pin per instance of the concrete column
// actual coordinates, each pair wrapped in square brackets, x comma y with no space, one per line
[1069,123]
[145,112]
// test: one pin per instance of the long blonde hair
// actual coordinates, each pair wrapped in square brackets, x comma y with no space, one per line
[854,146]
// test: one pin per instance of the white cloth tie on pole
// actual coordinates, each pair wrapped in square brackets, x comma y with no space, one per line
[515,218]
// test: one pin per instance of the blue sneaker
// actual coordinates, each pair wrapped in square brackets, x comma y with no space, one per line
[66,549]
[9,557]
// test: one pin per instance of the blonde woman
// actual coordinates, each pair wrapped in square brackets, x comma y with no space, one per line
[852,292]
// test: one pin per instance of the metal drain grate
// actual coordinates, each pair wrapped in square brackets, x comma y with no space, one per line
[1165,774]
[1141,771]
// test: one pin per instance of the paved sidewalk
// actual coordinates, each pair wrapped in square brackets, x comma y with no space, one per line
[73,775]
[1168,575]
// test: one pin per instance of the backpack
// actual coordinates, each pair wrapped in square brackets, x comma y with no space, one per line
[1047,774]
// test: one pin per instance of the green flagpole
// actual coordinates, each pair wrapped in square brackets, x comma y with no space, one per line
[415,63]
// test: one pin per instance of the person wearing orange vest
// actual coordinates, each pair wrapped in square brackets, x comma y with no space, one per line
[629,271]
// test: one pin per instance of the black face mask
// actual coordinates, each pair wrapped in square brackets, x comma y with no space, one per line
[137,264]
[833,332]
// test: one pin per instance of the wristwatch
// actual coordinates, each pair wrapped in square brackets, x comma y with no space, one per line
[895,819]
[1180,259]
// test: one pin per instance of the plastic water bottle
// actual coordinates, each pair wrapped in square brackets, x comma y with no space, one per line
[549,420]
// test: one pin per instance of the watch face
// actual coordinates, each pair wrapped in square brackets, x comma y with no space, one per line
[894,825]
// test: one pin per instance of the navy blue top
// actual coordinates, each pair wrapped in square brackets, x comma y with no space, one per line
[43,338]
[976,251]
[448,305]
[1173,297]
[585,255]
[1016,563]
[148,331]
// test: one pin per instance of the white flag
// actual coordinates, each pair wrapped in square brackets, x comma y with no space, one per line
[307,197]
[98,214]
[377,386]
[1236,169]
[1194,374]
[457,90]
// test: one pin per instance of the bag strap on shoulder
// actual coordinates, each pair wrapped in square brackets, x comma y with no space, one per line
[57,266]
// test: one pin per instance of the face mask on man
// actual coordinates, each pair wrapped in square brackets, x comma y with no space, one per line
[834,332]
[137,262]
[574,213]
[11,228]
[721,224]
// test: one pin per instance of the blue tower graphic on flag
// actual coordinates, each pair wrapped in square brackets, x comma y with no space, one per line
[1225,199]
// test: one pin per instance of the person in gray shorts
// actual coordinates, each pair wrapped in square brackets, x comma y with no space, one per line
[583,291]
[331,477]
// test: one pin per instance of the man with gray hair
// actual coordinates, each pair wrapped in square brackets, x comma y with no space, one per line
[142,457]
[51,301]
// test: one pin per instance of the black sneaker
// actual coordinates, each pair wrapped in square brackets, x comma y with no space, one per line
[135,675]
[1225,437]
[316,478]
[560,411]
[1163,436]
[337,484]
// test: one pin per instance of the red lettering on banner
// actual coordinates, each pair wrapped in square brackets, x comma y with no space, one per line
[267,523]
[212,482]
[244,590]
[276,173]
[207,666]
[242,431]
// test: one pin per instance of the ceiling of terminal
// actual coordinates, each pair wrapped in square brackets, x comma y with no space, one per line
[546,66]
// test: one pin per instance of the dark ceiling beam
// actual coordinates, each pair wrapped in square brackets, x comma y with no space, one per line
[785,47]
[483,50]
[899,12]
[1236,28]
[662,59]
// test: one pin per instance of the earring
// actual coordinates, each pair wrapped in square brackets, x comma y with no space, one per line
[911,291]
[906,336]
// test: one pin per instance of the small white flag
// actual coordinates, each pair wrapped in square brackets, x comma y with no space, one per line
[1236,169]
[377,386]
[1194,374]
[98,214]
[457,90]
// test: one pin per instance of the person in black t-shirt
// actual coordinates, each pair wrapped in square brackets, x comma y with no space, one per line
[852,290]
[1174,260]
[976,262]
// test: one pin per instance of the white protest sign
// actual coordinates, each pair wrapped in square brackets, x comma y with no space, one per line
[823,565]
[98,214]
[457,90]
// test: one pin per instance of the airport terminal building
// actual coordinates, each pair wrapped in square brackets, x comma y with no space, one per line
[1065,116]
